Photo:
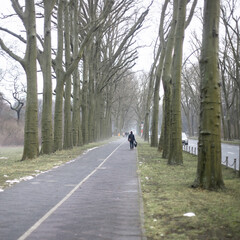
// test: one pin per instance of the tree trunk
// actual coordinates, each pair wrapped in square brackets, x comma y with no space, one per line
[46,65]
[67,141]
[28,17]
[154,126]
[85,108]
[167,85]
[155,115]
[58,113]
[209,171]
[162,136]
[31,145]
[91,113]
[77,131]
[175,155]
[148,106]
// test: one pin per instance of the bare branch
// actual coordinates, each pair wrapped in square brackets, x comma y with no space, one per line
[10,53]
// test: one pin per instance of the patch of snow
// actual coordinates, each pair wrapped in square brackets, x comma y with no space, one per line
[189,214]
[90,149]
[5,176]
[1,190]
[26,178]
[13,181]
[3,158]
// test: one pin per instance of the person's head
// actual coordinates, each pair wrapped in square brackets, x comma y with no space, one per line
[131,132]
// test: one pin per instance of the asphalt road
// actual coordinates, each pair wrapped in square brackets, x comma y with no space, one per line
[232,151]
[97,196]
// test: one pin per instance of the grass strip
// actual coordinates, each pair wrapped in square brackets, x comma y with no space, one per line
[167,195]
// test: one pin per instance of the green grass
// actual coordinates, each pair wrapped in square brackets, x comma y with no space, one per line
[11,166]
[167,195]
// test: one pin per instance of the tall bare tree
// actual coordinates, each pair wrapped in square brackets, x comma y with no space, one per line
[230,68]
[45,60]
[209,172]
[76,119]
[27,16]
[63,75]
[158,76]
[19,102]
[167,84]
[175,156]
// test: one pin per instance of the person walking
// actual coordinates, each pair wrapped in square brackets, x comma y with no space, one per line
[131,139]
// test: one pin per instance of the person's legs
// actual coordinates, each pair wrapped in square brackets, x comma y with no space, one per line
[131,145]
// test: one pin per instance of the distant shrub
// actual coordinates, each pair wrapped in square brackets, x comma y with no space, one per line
[11,133]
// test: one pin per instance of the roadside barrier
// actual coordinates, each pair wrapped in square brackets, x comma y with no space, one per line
[190,149]
[233,165]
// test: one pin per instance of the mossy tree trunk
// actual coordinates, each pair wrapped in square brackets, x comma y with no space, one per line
[162,50]
[92,102]
[175,154]
[67,141]
[153,92]
[31,145]
[29,64]
[149,101]
[45,61]
[58,112]
[167,85]
[76,118]
[155,113]
[209,170]
[85,108]
[108,120]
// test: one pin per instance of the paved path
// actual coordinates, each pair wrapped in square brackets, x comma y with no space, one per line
[95,197]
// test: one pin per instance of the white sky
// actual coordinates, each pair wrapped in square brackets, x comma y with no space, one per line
[146,37]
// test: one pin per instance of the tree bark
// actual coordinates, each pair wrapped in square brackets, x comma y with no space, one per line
[31,145]
[67,141]
[76,122]
[85,108]
[155,115]
[29,64]
[209,171]
[167,84]
[158,75]
[45,61]
[175,155]
[58,113]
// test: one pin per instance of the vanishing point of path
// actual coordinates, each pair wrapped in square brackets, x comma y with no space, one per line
[95,197]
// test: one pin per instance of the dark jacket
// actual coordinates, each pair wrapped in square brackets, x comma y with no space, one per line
[131,137]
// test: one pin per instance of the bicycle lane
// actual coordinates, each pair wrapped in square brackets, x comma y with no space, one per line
[95,197]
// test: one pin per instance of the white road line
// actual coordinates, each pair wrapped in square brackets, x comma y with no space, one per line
[51,211]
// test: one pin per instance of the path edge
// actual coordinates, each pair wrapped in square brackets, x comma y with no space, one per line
[141,206]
